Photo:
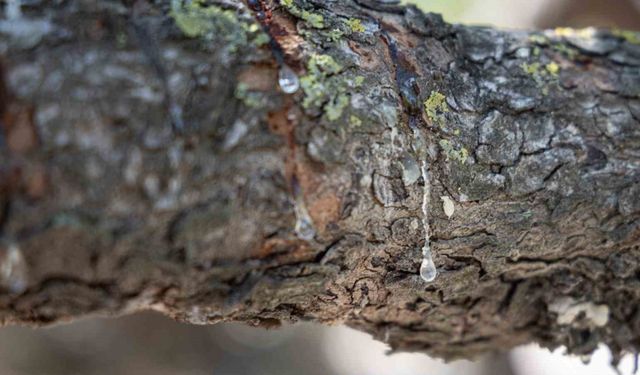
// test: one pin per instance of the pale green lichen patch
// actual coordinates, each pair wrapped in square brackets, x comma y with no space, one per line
[335,35]
[314,20]
[544,41]
[569,52]
[531,69]
[567,32]
[249,98]
[538,39]
[196,19]
[552,68]
[333,109]
[355,25]
[435,107]
[325,87]
[452,153]
[630,36]
[541,73]
[355,121]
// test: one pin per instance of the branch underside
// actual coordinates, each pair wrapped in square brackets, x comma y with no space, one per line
[151,160]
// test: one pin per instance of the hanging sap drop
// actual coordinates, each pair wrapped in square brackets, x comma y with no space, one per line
[288,80]
[428,270]
[304,229]
[304,226]
[13,270]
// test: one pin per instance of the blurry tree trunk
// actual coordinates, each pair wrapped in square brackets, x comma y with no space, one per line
[160,155]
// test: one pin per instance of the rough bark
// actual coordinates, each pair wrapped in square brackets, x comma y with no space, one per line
[151,161]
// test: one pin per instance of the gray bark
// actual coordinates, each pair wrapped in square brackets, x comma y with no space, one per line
[150,160]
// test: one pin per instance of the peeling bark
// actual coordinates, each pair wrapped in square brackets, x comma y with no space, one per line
[150,160]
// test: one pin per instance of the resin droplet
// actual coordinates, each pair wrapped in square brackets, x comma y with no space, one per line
[428,270]
[288,80]
[13,270]
[304,227]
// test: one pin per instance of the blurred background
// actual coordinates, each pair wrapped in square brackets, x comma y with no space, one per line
[149,344]
[538,14]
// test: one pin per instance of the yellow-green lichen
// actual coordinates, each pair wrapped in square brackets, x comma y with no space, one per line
[541,72]
[249,98]
[538,39]
[531,69]
[323,65]
[435,107]
[196,19]
[324,87]
[333,109]
[314,20]
[630,36]
[552,68]
[355,25]
[355,121]
[567,32]
[335,35]
[559,46]
[562,48]
[451,153]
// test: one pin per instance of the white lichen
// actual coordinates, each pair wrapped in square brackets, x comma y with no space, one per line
[233,137]
[447,206]
[569,309]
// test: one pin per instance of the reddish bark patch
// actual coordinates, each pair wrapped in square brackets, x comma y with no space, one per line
[283,30]
[258,78]
[283,122]
[284,251]
[368,59]
[20,132]
[324,210]
[279,123]
[36,182]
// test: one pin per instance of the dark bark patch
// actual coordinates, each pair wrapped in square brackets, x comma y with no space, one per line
[389,191]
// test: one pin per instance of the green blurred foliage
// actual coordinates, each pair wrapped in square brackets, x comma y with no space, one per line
[451,10]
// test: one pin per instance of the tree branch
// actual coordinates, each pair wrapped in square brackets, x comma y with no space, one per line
[269,162]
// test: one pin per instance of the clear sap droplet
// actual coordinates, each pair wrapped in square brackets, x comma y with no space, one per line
[13,270]
[304,230]
[304,225]
[288,80]
[428,270]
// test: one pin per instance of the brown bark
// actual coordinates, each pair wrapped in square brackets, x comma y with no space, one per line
[151,161]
